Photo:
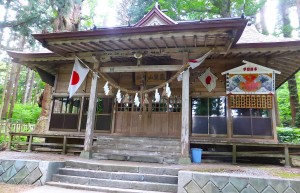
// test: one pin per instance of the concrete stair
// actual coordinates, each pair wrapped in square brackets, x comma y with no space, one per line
[116,178]
[139,149]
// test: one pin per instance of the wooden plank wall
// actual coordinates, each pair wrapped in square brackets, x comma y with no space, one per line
[148,124]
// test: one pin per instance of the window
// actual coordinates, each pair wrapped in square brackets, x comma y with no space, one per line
[65,114]
[103,114]
[251,122]
[209,116]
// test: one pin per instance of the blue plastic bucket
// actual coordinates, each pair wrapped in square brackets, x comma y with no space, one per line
[196,155]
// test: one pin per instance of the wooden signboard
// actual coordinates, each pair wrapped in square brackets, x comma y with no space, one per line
[151,78]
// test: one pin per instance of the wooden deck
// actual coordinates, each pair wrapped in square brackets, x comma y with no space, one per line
[236,150]
[211,149]
[39,142]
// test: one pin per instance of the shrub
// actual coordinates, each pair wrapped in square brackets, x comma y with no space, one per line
[26,113]
[288,135]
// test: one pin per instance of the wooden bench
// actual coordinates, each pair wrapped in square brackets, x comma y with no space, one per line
[240,150]
[63,147]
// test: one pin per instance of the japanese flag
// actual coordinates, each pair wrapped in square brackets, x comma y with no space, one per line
[78,75]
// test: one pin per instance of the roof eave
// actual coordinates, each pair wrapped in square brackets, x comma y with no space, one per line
[238,24]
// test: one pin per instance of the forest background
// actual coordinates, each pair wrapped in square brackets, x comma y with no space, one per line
[21,88]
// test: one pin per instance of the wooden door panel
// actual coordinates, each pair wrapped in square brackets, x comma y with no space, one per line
[148,124]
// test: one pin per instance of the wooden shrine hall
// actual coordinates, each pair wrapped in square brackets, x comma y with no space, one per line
[155,94]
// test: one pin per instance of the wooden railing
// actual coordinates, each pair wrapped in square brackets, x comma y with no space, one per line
[6,127]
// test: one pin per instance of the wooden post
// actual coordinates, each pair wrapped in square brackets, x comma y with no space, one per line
[10,141]
[64,148]
[287,156]
[80,114]
[90,124]
[273,118]
[29,143]
[185,117]
[234,153]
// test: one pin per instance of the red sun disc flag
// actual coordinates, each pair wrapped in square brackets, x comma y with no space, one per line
[78,75]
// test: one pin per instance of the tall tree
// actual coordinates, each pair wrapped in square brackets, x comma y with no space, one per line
[16,81]
[286,28]
[263,24]
[298,13]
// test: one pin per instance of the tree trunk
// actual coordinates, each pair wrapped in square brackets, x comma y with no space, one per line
[298,13]
[9,91]
[15,90]
[4,19]
[16,81]
[292,84]
[27,84]
[294,100]
[263,25]
[4,88]
[29,97]
[41,126]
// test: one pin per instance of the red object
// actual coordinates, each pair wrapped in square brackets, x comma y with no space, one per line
[75,78]
[193,61]
[208,80]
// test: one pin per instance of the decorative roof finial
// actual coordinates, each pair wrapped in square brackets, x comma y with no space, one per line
[157,5]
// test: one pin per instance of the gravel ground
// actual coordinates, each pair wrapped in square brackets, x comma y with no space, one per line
[254,170]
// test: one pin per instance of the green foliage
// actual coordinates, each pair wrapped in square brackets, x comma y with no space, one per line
[26,113]
[288,135]
[194,9]
[284,107]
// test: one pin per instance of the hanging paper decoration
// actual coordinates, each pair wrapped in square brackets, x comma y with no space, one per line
[168,90]
[106,88]
[209,80]
[157,96]
[179,77]
[118,96]
[126,99]
[146,101]
[110,90]
[136,100]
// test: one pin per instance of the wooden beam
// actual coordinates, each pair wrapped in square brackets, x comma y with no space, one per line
[164,41]
[90,124]
[152,40]
[144,43]
[174,41]
[185,116]
[152,68]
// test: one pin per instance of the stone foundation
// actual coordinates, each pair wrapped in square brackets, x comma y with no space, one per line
[199,182]
[27,171]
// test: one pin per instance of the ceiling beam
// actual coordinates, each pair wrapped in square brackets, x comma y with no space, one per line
[148,68]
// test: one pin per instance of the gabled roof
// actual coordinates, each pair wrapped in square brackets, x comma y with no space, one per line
[155,17]
[250,68]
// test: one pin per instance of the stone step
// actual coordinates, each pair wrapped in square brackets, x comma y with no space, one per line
[122,157]
[119,175]
[138,140]
[165,170]
[97,189]
[137,158]
[122,184]
[134,152]
[144,147]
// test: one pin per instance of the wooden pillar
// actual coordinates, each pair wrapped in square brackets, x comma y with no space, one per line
[273,118]
[275,106]
[287,156]
[90,123]
[185,119]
